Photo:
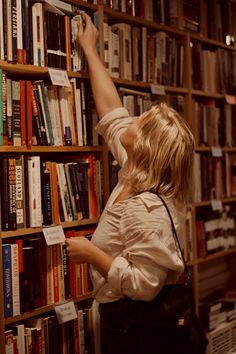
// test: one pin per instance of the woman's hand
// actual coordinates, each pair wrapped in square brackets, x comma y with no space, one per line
[80,249]
[87,34]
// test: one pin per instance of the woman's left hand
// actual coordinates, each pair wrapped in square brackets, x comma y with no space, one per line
[80,249]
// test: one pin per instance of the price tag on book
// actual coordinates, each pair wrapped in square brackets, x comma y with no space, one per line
[59,77]
[158,89]
[216,151]
[216,204]
[230,99]
[54,235]
[65,312]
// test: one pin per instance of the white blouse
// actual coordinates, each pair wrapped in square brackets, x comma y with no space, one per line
[136,232]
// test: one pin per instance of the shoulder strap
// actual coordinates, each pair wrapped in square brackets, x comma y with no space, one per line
[186,270]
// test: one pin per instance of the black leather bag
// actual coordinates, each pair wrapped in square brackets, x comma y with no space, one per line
[169,320]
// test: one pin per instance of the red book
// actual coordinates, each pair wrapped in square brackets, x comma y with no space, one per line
[55,272]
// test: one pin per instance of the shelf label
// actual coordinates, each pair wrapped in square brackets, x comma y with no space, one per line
[59,77]
[158,89]
[216,204]
[54,235]
[230,99]
[216,151]
[65,312]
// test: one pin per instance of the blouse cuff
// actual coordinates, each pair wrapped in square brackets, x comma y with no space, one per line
[116,272]
[119,112]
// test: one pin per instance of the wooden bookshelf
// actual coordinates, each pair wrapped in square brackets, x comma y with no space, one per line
[188,93]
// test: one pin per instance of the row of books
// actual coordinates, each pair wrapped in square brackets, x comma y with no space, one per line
[215,19]
[128,56]
[46,335]
[138,102]
[40,33]
[215,176]
[36,275]
[32,113]
[216,231]
[218,307]
[36,193]
[160,11]
[213,69]
[214,125]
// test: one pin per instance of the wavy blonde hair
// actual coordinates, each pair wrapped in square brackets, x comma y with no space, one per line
[162,159]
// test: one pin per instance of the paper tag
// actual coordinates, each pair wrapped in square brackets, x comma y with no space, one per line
[65,312]
[216,204]
[230,99]
[216,151]
[54,235]
[59,77]
[158,89]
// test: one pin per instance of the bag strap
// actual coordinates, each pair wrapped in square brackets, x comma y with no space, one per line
[186,270]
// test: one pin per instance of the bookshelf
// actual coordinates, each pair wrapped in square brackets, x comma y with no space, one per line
[177,82]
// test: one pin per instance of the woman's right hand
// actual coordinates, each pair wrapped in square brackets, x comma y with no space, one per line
[87,34]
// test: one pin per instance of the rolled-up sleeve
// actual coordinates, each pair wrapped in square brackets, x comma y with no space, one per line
[111,126]
[149,253]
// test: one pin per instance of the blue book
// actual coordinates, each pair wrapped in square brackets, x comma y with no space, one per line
[7,280]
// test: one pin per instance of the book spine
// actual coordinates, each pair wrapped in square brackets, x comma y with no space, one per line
[1,109]
[16,113]
[12,193]
[7,280]
[23,111]
[15,280]
[4,108]
[14,15]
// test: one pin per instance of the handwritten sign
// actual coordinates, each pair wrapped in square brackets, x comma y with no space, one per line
[158,89]
[216,151]
[65,312]
[54,235]
[59,77]
[216,204]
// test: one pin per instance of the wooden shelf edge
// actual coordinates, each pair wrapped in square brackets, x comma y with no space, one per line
[216,255]
[121,16]
[208,202]
[35,230]
[42,310]
[46,149]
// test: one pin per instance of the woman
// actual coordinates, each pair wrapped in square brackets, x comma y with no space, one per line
[133,252]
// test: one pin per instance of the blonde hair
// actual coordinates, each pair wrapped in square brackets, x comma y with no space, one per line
[162,154]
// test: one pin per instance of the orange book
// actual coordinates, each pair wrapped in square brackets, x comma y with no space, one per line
[68,43]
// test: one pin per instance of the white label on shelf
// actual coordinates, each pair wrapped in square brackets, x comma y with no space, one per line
[54,235]
[216,151]
[158,89]
[230,99]
[59,77]
[216,204]
[65,312]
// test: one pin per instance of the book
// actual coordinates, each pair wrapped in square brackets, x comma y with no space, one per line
[16,113]
[34,191]
[15,280]
[7,280]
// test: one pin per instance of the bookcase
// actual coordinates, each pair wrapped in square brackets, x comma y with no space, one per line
[182,52]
